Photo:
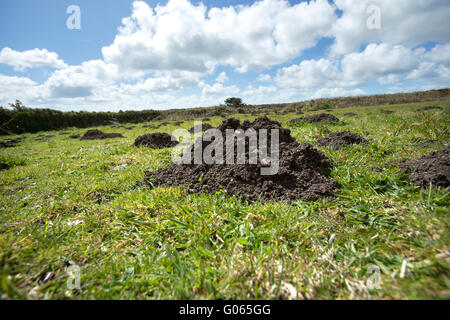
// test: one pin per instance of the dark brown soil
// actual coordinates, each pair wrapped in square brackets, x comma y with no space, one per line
[4,166]
[386,112]
[321,117]
[433,168]
[150,126]
[350,114]
[178,123]
[202,127]
[75,136]
[303,170]
[156,140]
[10,143]
[97,134]
[206,119]
[426,108]
[337,140]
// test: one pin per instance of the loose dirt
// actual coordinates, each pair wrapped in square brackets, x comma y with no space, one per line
[337,140]
[426,108]
[303,170]
[321,117]
[203,127]
[156,140]
[386,112]
[10,143]
[433,168]
[97,134]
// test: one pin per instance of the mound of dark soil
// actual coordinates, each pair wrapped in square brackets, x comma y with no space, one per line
[178,123]
[350,114]
[321,117]
[426,108]
[433,168]
[158,140]
[97,134]
[339,139]
[303,170]
[202,127]
[75,136]
[386,112]
[10,143]
[4,166]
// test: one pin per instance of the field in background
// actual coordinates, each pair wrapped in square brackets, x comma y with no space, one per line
[66,201]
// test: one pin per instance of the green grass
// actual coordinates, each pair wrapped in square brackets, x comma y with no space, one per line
[70,201]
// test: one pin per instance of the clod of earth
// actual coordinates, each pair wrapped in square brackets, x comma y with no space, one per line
[156,140]
[11,143]
[4,166]
[97,134]
[322,117]
[303,170]
[337,140]
[75,136]
[201,127]
[386,112]
[426,108]
[433,168]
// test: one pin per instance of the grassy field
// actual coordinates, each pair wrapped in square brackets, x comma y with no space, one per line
[66,201]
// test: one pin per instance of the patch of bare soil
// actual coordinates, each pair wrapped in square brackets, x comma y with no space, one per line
[158,140]
[4,166]
[386,112]
[97,134]
[303,170]
[321,117]
[433,168]
[75,136]
[427,108]
[10,143]
[337,140]
[203,127]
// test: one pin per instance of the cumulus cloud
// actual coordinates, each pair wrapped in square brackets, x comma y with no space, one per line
[22,60]
[184,36]
[404,22]
[264,77]
[385,63]
[218,89]
[222,77]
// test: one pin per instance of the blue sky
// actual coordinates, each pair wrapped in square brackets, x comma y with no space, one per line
[190,54]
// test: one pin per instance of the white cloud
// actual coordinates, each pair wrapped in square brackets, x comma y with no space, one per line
[405,22]
[440,53]
[21,61]
[385,63]
[336,92]
[378,61]
[218,89]
[264,77]
[222,77]
[308,74]
[12,88]
[183,36]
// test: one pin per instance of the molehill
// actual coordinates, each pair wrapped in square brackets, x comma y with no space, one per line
[158,140]
[303,170]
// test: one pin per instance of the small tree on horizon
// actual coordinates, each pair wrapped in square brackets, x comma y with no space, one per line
[234,102]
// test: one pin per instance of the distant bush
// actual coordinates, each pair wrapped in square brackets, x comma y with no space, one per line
[21,119]
[234,102]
